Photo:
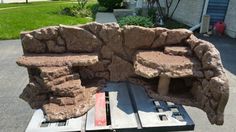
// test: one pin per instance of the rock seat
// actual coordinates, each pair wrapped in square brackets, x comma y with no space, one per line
[150,64]
[57,60]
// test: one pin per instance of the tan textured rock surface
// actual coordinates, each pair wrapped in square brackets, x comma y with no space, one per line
[160,40]
[57,112]
[171,66]
[32,45]
[120,69]
[59,80]
[145,71]
[63,84]
[60,41]
[35,95]
[178,50]
[106,52]
[70,88]
[55,60]
[46,33]
[138,37]
[111,34]
[79,40]
[93,27]
[175,36]
[54,48]
[50,73]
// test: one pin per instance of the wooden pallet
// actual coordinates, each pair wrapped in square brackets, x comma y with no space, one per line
[121,106]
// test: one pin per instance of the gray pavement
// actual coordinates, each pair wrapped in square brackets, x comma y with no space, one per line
[15,113]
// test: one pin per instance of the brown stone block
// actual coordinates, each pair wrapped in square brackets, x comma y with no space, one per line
[79,40]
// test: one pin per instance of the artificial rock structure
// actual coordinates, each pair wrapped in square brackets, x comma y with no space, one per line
[68,64]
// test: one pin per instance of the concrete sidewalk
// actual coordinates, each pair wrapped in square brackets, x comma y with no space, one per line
[15,113]
[105,17]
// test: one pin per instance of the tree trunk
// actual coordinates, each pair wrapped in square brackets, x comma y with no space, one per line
[26,2]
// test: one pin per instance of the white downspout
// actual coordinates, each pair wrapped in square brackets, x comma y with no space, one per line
[203,13]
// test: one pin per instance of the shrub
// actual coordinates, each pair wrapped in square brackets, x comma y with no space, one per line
[136,20]
[152,13]
[110,4]
[94,9]
[76,11]
[82,3]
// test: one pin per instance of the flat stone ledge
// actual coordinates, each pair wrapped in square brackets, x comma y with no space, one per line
[57,60]
[165,64]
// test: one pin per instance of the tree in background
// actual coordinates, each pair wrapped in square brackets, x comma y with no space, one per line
[110,4]
[168,4]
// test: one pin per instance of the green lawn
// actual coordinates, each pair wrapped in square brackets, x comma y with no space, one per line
[15,18]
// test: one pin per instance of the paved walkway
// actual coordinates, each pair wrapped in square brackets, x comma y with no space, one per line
[105,17]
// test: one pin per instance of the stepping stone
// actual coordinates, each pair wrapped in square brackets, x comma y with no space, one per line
[50,73]
[178,50]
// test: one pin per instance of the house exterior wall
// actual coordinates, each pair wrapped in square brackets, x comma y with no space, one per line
[230,19]
[18,1]
[188,12]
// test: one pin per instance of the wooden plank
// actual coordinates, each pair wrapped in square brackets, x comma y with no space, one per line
[148,114]
[121,110]
[100,109]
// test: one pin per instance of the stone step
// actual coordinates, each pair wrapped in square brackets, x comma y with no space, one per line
[50,73]
[145,71]
[70,88]
[57,81]
[166,65]
[57,60]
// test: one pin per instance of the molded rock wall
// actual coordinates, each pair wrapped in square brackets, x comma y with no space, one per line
[58,90]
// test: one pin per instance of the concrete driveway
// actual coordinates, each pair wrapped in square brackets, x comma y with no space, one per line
[15,113]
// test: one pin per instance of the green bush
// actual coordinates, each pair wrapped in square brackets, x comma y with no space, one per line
[136,20]
[94,9]
[82,3]
[152,13]
[110,4]
[76,11]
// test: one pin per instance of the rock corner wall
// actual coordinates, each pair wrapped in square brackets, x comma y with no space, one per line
[68,64]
